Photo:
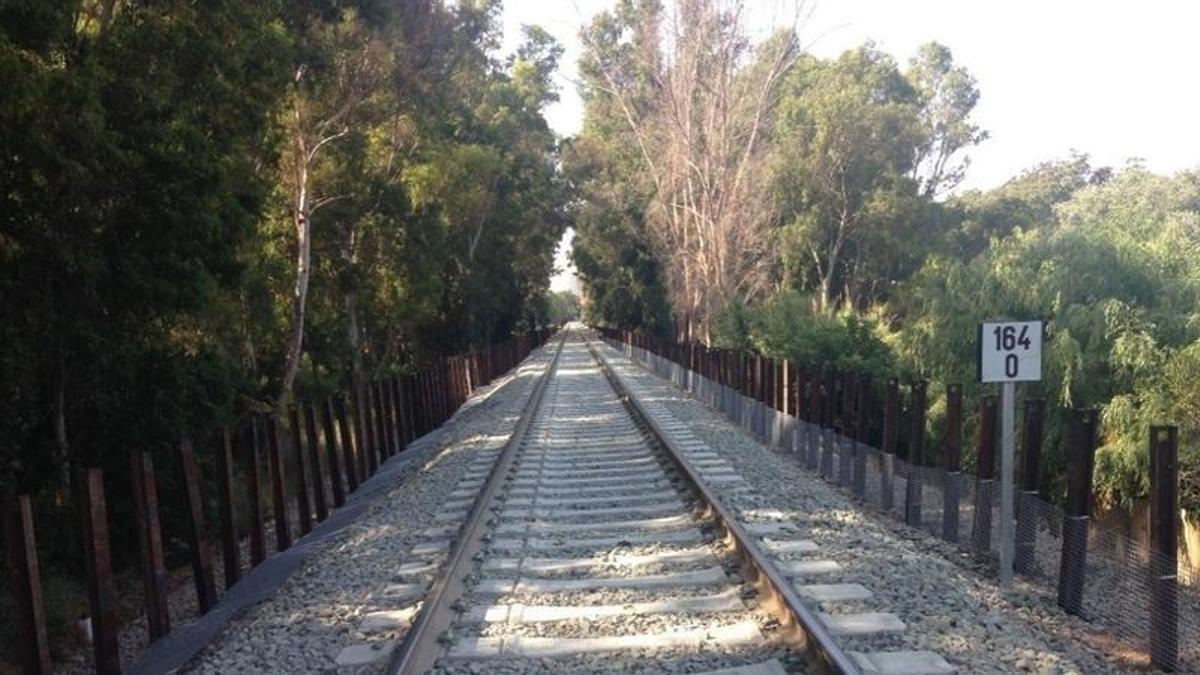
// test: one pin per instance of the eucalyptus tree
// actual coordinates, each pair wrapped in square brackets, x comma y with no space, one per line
[947,95]
[847,131]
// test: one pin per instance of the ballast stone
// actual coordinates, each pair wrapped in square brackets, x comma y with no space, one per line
[361,655]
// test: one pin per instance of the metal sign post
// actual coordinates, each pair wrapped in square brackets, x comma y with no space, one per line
[1008,531]
[1009,352]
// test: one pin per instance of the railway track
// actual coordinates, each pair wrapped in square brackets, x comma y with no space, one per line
[601,538]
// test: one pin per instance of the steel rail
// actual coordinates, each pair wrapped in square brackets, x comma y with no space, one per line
[803,626]
[420,648]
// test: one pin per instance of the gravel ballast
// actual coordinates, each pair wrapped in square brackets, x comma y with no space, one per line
[947,605]
[347,600]
[590,490]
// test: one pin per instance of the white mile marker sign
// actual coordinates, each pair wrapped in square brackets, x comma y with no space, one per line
[1009,352]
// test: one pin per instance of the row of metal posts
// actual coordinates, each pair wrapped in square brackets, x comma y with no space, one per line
[815,411]
[385,416]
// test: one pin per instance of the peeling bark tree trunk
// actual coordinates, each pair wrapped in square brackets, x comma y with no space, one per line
[300,220]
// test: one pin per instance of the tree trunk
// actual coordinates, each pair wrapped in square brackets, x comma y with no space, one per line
[295,344]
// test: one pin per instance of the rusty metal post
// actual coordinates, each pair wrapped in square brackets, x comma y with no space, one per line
[846,428]
[231,555]
[33,642]
[438,389]
[828,416]
[951,490]
[283,533]
[862,435]
[258,546]
[780,377]
[416,398]
[985,476]
[389,419]
[770,378]
[357,404]
[916,454]
[370,432]
[302,503]
[1164,547]
[816,417]
[398,408]
[1031,458]
[379,411]
[787,374]
[154,573]
[198,543]
[887,457]
[408,388]
[329,434]
[423,395]
[102,591]
[349,444]
[314,461]
[1081,453]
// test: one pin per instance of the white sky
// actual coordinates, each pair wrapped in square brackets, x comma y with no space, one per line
[1112,79]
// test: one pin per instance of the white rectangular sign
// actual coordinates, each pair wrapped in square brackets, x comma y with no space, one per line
[1010,351]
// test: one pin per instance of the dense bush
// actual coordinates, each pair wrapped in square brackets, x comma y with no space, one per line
[787,326]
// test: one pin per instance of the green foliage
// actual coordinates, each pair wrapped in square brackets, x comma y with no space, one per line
[875,271]
[153,154]
[1113,273]
[787,327]
[862,151]
[622,276]
[561,307]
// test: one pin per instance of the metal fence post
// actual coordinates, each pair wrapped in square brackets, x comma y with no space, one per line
[1025,561]
[349,443]
[916,451]
[389,416]
[258,546]
[786,375]
[800,408]
[154,573]
[1081,450]
[358,426]
[25,579]
[231,555]
[847,427]
[302,504]
[283,533]
[862,437]
[370,430]
[329,434]
[408,398]
[102,591]
[887,458]
[1164,547]
[314,460]
[829,401]
[198,543]
[757,396]
[985,476]
[383,444]
[401,424]
[951,489]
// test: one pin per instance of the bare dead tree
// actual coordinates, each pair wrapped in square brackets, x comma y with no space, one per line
[702,136]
